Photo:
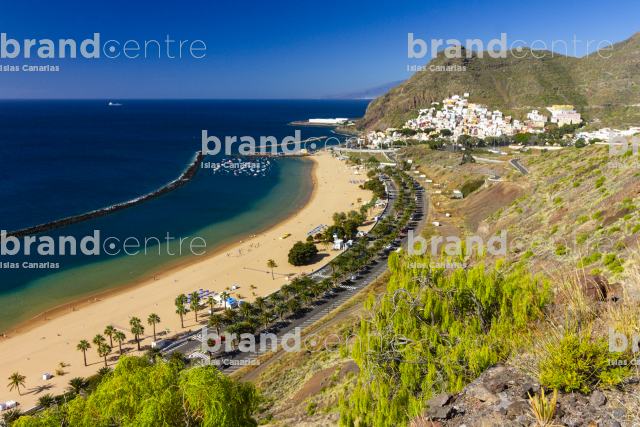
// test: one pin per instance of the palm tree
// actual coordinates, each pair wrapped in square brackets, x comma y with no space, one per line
[281,309]
[105,370]
[215,321]
[97,340]
[260,303]
[229,316]
[195,304]
[152,320]
[103,351]
[16,380]
[210,302]
[336,277]
[265,317]
[178,357]
[135,321]
[274,298]
[272,264]
[119,337]
[83,346]
[46,401]
[333,264]
[181,311]
[246,309]
[137,330]
[306,297]
[252,324]
[77,384]
[224,295]
[109,331]
[285,291]
[294,306]
[153,354]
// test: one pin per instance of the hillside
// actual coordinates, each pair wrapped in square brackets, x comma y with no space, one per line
[517,82]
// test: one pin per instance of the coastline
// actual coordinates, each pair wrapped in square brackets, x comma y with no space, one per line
[84,301]
[39,349]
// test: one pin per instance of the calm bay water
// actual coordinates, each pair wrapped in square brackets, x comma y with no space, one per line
[65,158]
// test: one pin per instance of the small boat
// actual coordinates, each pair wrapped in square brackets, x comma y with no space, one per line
[115,104]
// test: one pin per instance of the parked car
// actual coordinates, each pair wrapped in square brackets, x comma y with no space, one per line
[353,277]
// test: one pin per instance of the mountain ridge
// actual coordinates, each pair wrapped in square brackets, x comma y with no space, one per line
[516,82]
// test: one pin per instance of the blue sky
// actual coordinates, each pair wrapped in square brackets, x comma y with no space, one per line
[280,49]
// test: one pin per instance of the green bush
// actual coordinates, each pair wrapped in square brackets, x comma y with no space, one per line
[557,200]
[561,250]
[613,230]
[636,228]
[594,257]
[574,360]
[554,229]
[600,182]
[301,253]
[527,254]
[581,238]
[143,393]
[619,246]
[597,215]
[627,217]
[583,219]
[450,338]
[311,408]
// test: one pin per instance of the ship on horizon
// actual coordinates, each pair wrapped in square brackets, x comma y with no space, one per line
[115,104]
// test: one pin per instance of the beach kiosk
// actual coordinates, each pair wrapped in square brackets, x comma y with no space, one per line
[47,376]
[337,244]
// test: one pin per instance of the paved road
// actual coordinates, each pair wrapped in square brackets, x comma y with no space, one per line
[514,163]
[324,306]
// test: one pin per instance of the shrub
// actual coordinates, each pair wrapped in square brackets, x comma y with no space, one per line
[594,257]
[636,228]
[627,217]
[527,254]
[619,246]
[557,200]
[582,237]
[311,408]
[461,343]
[597,215]
[596,271]
[583,219]
[572,360]
[600,182]
[613,230]
[554,229]
[301,253]
[561,250]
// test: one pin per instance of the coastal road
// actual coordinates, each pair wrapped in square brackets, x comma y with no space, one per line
[232,361]
[514,163]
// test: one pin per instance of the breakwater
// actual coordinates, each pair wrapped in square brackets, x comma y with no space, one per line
[186,176]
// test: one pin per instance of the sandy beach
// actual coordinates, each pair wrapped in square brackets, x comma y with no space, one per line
[39,346]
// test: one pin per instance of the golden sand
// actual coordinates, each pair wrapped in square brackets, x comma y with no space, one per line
[40,345]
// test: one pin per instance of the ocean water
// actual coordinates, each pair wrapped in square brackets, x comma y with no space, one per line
[65,158]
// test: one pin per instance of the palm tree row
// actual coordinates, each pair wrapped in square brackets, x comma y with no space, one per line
[103,349]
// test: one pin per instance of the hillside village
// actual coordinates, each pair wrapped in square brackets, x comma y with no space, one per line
[456,116]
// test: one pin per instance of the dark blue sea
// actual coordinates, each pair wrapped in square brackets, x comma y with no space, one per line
[64,158]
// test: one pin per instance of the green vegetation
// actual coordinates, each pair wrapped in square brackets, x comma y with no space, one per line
[301,253]
[471,186]
[594,257]
[453,330]
[139,392]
